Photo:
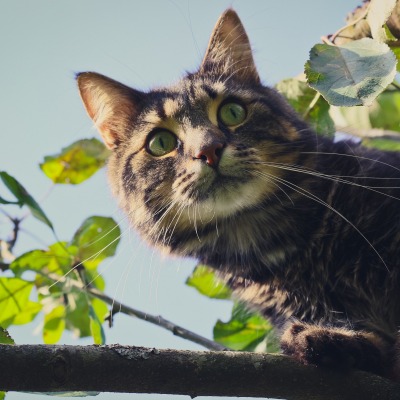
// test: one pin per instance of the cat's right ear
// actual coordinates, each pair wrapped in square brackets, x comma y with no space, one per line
[110,104]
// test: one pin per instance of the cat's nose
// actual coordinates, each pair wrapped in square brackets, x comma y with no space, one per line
[211,154]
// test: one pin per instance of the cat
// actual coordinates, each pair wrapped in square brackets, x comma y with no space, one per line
[303,229]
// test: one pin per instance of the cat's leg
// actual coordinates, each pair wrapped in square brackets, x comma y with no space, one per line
[337,347]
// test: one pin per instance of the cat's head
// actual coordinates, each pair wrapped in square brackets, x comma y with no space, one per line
[189,157]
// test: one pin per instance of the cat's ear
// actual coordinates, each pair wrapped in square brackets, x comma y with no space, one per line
[229,50]
[110,104]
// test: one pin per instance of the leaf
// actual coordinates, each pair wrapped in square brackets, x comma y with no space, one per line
[29,313]
[396,52]
[385,112]
[5,338]
[246,331]
[352,74]
[57,259]
[77,316]
[24,198]
[2,395]
[96,239]
[205,281]
[76,163]
[302,98]
[54,325]
[378,13]
[97,312]
[14,297]
[382,144]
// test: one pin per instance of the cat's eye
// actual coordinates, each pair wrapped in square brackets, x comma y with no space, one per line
[232,114]
[162,142]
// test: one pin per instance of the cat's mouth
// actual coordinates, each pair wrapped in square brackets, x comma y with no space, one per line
[222,194]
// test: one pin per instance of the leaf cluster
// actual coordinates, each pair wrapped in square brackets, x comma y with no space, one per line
[33,282]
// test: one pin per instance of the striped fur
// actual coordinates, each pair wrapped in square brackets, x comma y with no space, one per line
[302,229]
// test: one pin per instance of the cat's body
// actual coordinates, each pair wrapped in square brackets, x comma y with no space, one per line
[303,229]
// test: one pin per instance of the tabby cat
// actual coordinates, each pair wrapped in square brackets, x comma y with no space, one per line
[302,228]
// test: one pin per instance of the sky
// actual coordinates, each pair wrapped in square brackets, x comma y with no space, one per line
[143,44]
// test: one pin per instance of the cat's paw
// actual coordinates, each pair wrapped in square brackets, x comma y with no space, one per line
[334,347]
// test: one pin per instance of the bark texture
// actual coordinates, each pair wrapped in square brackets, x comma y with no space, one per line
[117,368]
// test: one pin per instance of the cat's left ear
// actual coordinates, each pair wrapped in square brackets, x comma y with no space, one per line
[110,104]
[229,50]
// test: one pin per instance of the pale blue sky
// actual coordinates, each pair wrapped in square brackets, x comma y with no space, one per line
[143,44]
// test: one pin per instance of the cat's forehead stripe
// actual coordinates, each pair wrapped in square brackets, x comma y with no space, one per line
[171,107]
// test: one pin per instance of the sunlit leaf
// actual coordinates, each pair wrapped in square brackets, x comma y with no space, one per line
[396,51]
[206,282]
[24,198]
[97,312]
[14,297]
[28,314]
[5,337]
[352,74]
[54,325]
[96,239]
[378,13]
[57,259]
[308,104]
[77,162]
[246,331]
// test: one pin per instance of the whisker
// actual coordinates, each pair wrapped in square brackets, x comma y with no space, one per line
[315,198]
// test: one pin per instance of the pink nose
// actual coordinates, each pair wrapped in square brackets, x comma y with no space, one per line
[211,154]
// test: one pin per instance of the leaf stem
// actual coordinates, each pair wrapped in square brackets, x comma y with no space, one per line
[396,85]
[311,105]
[352,23]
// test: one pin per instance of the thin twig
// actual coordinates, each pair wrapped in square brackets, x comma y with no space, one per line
[352,23]
[153,319]
[11,243]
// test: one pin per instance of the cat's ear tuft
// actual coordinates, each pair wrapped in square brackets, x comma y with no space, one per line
[110,104]
[229,51]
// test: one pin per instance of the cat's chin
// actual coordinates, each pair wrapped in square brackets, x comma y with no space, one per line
[227,197]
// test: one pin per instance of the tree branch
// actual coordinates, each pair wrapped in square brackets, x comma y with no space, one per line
[116,368]
[119,307]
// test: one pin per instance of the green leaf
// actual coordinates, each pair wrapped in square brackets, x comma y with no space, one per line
[378,13]
[24,198]
[2,395]
[309,104]
[97,312]
[14,297]
[77,316]
[29,313]
[246,331]
[205,281]
[96,239]
[54,325]
[396,52]
[77,162]
[57,259]
[352,74]
[5,337]
[382,144]
[385,112]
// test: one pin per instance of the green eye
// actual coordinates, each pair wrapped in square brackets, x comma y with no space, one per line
[162,142]
[232,114]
